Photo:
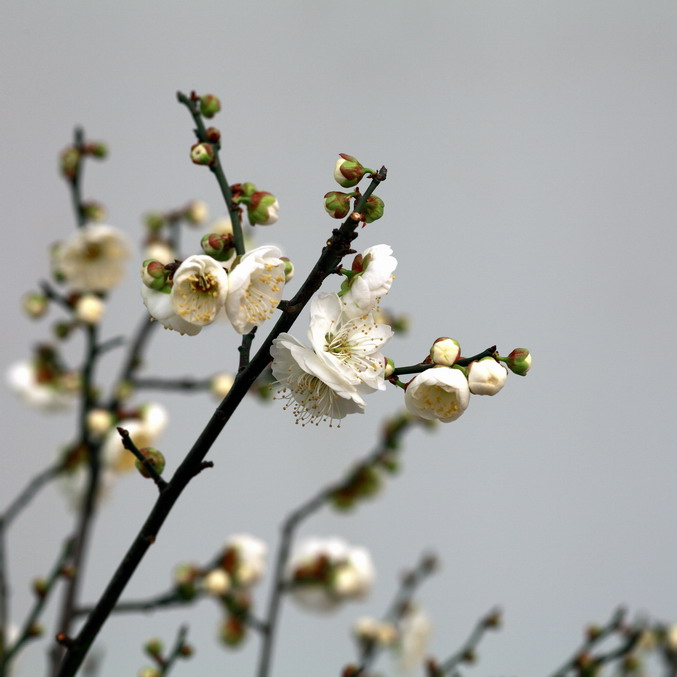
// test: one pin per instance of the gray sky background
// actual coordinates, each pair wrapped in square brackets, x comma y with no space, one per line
[530,201]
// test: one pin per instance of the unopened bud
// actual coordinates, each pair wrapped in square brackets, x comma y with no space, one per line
[390,368]
[337,204]
[154,221]
[373,209]
[186,650]
[262,209]
[154,457]
[232,631]
[99,422]
[34,304]
[40,587]
[519,361]
[35,630]
[289,269]
[69,162]
[213,134]
[445,351]
[89,309]
[196,212]
[348,171]
[209,105]
[219,247]
[154,275]
[62,330]
[217,582]
[202,153]
[97,149]
[149,672]
[154,647]
[94,211]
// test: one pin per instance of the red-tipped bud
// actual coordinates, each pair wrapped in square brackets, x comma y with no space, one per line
[373,209]
[209,105]
[519,361]
[213,134]
[155,275]
[337,204]
[202,153]
[348,171]
[219,247]
[262,209]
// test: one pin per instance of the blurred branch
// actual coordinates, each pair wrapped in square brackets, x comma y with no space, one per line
[158,383]
[178,651]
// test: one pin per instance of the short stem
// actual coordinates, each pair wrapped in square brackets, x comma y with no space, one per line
[128,444]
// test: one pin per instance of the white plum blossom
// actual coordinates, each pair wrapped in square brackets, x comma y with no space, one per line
[221,384]
[348,344]
[366,288]
[256,286]
[89,309]
[199,290]
[144,429]
[217,582]
[486,376]
[92,260]
[370,630]
[249,558]
[440,393]
[45,390]
[327,571]
[318,391]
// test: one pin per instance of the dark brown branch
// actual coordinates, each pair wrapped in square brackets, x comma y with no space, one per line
[157,383]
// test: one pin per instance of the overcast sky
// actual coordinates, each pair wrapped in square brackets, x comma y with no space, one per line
[530,201]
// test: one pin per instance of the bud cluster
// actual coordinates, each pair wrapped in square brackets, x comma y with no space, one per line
[348,172]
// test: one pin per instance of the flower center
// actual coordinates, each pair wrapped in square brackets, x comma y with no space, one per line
[443,402]
[196,297]
[263,294]
[311,399]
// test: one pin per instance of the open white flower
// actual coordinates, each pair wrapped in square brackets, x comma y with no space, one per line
[486,377]
[327,571]
[92,260]
[317,391]
[349,344]
[376,278]
[199,289]
[415,630]
[256,286]
[44,389]
[144,429]
[440,393]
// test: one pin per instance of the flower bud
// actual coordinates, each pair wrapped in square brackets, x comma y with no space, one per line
[202,153]
[348,171]
[519,361]
[35,630]
[62,330]
[154,275]
[486,377]
[96,149]
[154,647]
[445,351]
[262,209]
[217,582]
[69,162]
[154,221]
[289,269]
[35,305]
[337,204]
[219,247]
[40,587]
[221,385]
[94,211]
[213,134]
[185,577]
[196,212]
[373,209]
[149,672]
[232,631]
[154,457]
[89,309]
[209,105]
[99,422]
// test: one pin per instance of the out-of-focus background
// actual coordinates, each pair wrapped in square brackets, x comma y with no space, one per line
[531,150]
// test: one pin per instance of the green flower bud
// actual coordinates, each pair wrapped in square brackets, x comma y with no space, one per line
[519,361]
[154,457]
[348,171]
[40,587]
[63,329]
[219,247]
[96,149]
[247,188]
[337,204]
[94,211]
[154,647]
[34,304]
[373,209]
[202,153]
[69,162]
[390,368]
[154,221]
[209,105]
[262,209]
[233,631]
[154,275]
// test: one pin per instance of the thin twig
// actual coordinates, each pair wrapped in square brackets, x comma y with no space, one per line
[245,349]
[159,383]
[176,652]
[423,366]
